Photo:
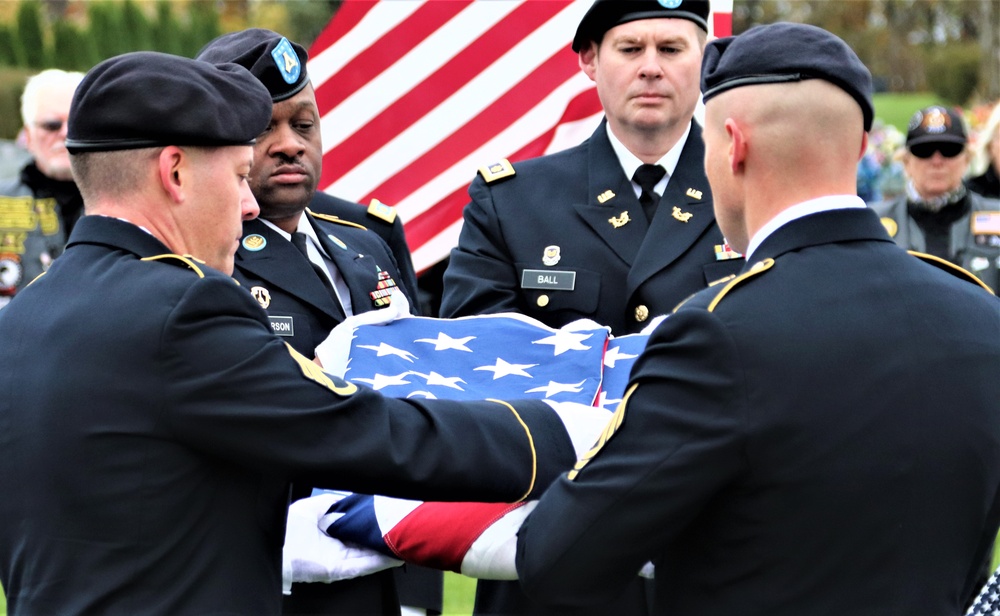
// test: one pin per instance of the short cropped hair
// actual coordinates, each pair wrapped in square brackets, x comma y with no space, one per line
[37,84]
[115,174]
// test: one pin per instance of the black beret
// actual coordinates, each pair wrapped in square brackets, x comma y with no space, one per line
[936,124]
[278,63]
[606,14]
[785,52]
[147,99]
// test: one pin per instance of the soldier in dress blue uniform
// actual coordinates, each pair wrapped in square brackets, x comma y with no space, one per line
[574,234]
[818,436]
[151,421]
[288,156]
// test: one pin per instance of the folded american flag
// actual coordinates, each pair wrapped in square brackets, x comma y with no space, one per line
[987,603]
[503,356]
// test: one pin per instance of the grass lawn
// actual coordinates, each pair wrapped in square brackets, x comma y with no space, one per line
[460,591]
[896,109]
[459,594]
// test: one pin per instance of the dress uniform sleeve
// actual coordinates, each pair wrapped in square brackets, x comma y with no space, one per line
[481,277]
[235,392]
[679,441]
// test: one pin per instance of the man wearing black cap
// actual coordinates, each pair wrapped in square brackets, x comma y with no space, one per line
[147,452]
[620,228]
[817,436]
[575,234]
[937,215]
[288,156]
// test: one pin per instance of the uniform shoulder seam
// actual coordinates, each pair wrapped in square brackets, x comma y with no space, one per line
[191,262]
[336,220]
[756,269]
[951,268]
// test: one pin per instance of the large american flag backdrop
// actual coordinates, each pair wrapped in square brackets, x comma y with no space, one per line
[416,95]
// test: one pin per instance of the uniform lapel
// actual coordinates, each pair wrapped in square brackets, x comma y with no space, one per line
[280,264]
[611,200]
[357,270]
[682,216]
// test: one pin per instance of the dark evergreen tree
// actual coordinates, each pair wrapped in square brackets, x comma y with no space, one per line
[29,43]
[168,36]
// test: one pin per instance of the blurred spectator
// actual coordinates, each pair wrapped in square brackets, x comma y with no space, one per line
[984,170]
[937,215]
[40,206]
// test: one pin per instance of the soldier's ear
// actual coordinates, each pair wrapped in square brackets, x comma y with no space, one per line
[171,165]
[588,60]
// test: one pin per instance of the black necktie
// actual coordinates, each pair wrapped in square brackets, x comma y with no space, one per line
[299,241]
[646,176]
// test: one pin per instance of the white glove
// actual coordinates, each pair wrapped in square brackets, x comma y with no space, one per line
[334,352]
[491,555]
[310,555]
[583,423]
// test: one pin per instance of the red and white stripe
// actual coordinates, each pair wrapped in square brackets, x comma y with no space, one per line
[416,95]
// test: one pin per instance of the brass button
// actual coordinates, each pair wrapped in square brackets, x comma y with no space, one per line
[543,301]
[641,313]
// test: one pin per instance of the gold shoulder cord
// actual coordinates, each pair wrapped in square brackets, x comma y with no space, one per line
[185,259]
[336,220]
[531,443]
[759,267]
[951,268]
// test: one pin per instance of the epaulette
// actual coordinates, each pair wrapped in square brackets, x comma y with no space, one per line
[951,268]
[757,268]
[382,211]
[497,171]
[187,260]
[335,219]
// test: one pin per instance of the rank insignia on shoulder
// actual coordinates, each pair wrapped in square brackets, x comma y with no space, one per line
[254,242]
[620,221]
[694,193]
[723,253]
[497,171]
[890,226]
[262,295]
[381,296]
[382,211]
[605,196]
[681,216]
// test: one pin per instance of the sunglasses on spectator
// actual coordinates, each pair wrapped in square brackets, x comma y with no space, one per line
[52,126]
[926,150]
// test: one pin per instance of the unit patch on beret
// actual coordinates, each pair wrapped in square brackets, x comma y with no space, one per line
[287,61]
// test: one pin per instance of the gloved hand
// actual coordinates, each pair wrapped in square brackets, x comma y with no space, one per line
[333,353]
[310,555]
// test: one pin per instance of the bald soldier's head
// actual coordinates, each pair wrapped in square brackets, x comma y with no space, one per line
[787,107]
